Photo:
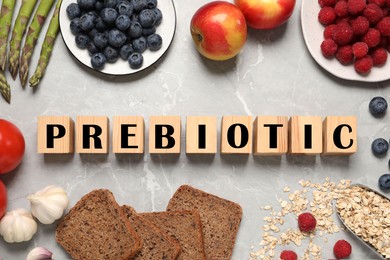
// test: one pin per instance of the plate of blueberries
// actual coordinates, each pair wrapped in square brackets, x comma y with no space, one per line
[118,37]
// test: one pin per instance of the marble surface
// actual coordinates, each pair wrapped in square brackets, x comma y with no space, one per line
[273,75]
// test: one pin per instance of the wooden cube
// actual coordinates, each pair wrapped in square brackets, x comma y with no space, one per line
[164,134]
[236,135]
[92,134]
[270,135]
[128,134]
[201,135]
[305,135]
[340,135]
[55,134]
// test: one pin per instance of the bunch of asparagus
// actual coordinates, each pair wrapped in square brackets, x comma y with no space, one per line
[20,63]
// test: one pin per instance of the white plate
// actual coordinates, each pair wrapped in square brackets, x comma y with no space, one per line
[166,29]
[313,34]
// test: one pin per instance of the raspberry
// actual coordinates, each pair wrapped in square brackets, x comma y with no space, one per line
[326,15]
[328,48]
[341,9]
[324,3]
[342,249]
[373,13]
[360,25]
[356,6]
[345,55]
[288,255]
[380,3]
[363,65]
[306,222]
[372,38]
[388,3]
[379,56]
[383,42]
[342,34]
[388,45]
[384,26]
[360,49]
[328,32]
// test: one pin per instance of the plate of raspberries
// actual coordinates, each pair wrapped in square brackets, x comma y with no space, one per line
[349,38]
[117,37]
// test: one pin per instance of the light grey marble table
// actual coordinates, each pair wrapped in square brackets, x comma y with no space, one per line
[273,75]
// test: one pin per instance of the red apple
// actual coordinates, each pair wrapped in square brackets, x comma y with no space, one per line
[266,14]
[218,30]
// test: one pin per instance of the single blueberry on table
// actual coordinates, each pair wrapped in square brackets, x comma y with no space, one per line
[125,7]
[384,182]
[87,22]
[378,106]
[100,41]
[151,4]
[73,11]
[86,5]
[139,5]
[111,3]
[109,15]
[116,38]
[125,51]
[158,14]
[82,40]
[136,60]
[148,31]
[122,22]
[98,60]
[111,54]
[75,26]
[92,49]
[147,18]
[139,44]
[154,42]
[135,30]
[380,147]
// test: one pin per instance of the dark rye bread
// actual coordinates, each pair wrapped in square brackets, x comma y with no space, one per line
[185,227]
[220,219]
[156,244]
[96,228]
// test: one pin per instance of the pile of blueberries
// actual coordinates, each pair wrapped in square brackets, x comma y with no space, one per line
[380,146]
[110,29]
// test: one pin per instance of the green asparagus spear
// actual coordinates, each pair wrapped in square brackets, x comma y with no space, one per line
[47,47]
[19,29]
[7,11]
[32,37]
[5,89]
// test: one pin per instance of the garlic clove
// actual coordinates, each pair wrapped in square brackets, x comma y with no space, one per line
[39,253]
[17,226]
[48,204]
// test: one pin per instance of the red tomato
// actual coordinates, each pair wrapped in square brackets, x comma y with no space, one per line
[11,146]
[3,199]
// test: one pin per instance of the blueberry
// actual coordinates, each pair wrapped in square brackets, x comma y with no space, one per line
[111,3]
[94,14]
[151,4]
[134,18]
[87,22]
[92,49]
[75,26]
[380,147]
[147,18]
[98,60]
[123,22]
[139,5]
[99,6]
[86,5]
[148,31]
[73,11]
[135,30]
[92,33]
[101,40]
[136,60]
[100,25]
[125,8]
[378,106]
[384,182]
[82,40]
[139,44]
[109,15]
[111,54]
[125,51]
[116,38]
[154,42]
[158,14]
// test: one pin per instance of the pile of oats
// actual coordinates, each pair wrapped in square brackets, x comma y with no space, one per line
[316,198]
[367,214]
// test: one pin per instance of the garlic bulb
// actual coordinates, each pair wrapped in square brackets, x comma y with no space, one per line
[48,205]
[17,226]
[39,253]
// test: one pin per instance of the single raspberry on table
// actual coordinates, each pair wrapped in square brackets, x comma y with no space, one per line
[328,48]
[380,3]
[345,55]
[384,26]
[341,8]
[328,31]
[288,255]
[364,65]
[360,25]
[372,37]
[326,15]
[324,3]
[373,13]
[360,49]
[356,6]
[342,249]
[342,34]
[306,222]
[379,56]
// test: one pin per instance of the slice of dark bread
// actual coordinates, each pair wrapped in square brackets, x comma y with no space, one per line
[220,219]
[185,227]
[96,228]
[156,244]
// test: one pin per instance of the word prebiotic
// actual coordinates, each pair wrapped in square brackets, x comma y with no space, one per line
[267,135]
